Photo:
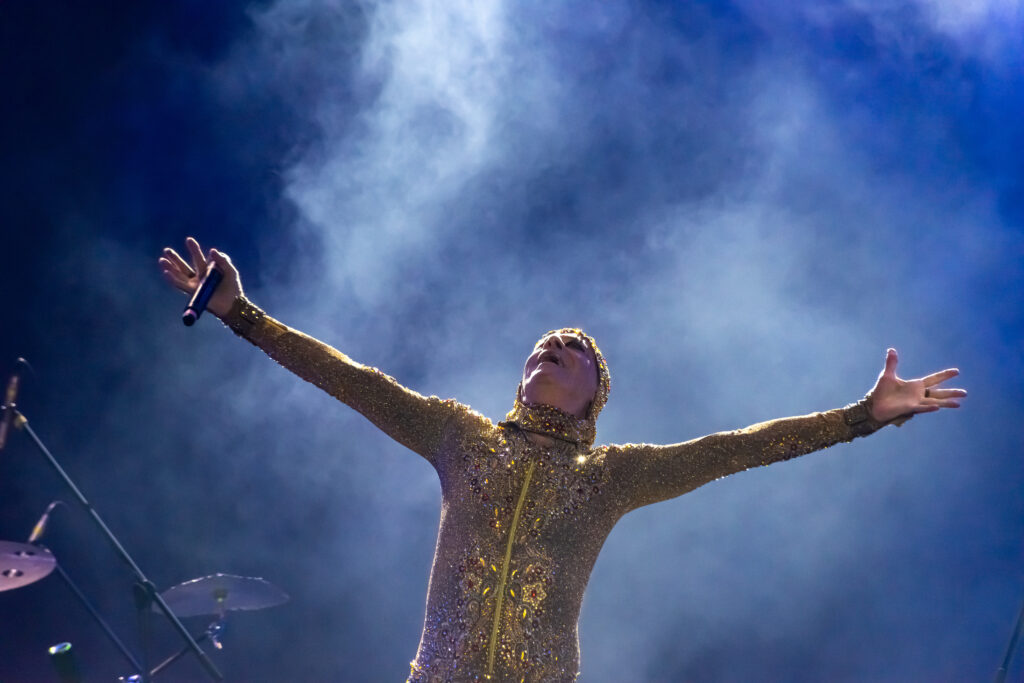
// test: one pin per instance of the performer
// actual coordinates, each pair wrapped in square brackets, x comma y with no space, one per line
[527,503]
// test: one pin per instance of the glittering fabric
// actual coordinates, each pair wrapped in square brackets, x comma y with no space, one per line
[550,421]
[522,522]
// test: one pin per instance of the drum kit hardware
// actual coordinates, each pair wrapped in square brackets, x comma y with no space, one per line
[215,596]
[222,593]
[22,564]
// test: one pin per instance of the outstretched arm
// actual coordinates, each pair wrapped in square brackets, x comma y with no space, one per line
[413,420]
[645,473]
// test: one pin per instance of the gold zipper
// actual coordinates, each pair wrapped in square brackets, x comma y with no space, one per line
[504,569]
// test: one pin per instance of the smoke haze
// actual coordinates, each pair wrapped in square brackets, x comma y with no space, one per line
[745,204]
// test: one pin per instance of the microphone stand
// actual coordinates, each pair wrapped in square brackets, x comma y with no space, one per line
[145,592]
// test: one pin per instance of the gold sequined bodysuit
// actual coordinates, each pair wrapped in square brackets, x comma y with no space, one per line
[522,524]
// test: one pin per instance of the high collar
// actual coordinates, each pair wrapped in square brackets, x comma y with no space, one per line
[550,421]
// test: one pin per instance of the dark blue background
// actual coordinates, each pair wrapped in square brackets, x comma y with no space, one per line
[745,205]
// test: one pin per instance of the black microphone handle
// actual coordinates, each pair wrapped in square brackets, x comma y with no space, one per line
[201,297]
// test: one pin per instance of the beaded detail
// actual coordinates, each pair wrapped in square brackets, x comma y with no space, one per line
[243,316]
[519,562]
[522,523]
[551,421]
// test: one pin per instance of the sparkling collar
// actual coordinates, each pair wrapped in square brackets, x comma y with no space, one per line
[550,421]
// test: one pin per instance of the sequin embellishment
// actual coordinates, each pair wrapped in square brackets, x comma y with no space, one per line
[522,524]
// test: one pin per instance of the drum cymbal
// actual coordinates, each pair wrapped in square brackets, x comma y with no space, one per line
[221,593]
[22,564]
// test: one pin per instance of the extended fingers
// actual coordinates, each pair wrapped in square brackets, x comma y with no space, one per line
[941,398]
[196,253]
[173,260]
[172,273]
[223,262]
[940,403]
[945,393]
[891,359]
[941,376]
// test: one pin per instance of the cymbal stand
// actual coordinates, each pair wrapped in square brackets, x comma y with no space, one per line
[144,587]
[99,619]
[213,632]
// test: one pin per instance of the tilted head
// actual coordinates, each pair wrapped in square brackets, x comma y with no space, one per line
[565,372]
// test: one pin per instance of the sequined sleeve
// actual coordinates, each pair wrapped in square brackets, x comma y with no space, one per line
[412,419]
[642,474]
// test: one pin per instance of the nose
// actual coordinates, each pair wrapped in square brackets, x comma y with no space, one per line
[553,341]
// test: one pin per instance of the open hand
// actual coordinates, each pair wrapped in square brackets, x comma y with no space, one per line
[893,397]
[187,277]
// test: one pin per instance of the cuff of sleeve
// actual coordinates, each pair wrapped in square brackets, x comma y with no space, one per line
[858,418]
[243,317]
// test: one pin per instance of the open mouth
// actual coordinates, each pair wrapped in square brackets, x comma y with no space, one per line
[549,357]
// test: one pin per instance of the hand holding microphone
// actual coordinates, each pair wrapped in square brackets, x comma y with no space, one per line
[201,297]
[212,280]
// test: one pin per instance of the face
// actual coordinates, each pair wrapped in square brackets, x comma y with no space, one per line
[561,372]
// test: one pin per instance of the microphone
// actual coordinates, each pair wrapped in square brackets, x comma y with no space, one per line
[201,297]
[40,528]
[10,396]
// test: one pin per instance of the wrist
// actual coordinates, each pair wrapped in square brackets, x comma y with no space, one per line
[221,311]
[860,418]
[242,316]
[224,299]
